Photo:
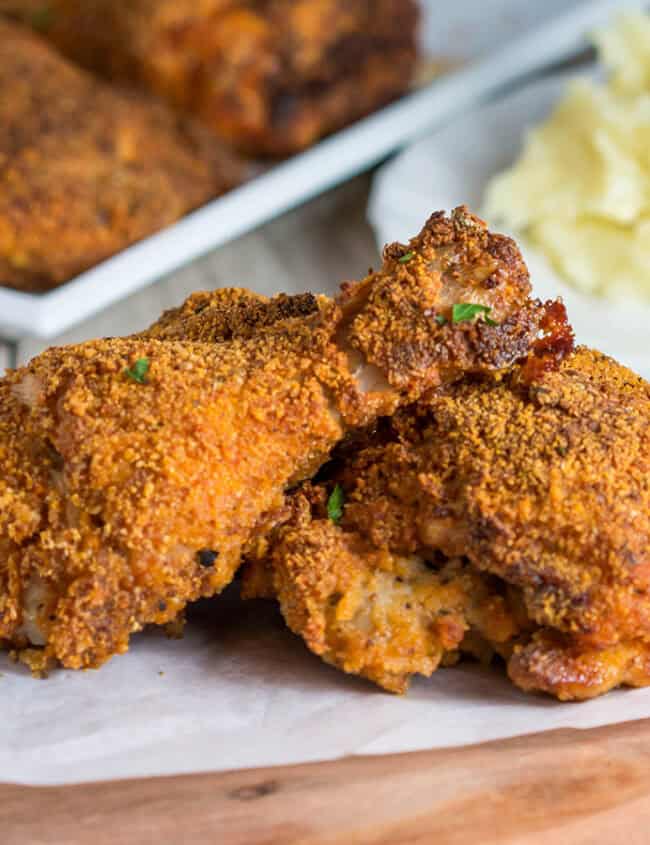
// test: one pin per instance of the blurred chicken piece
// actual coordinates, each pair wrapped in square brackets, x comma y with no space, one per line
[543,484]
[149,464]
[87,170]
[269,77]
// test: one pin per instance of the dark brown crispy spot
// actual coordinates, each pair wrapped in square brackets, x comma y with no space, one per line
[207,557]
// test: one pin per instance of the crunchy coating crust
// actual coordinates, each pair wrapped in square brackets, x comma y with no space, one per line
[270,76]
[143,477]
[543,486]
[454,259]
[547,486]
[129,482]
[88,170]
[386,324]
[229,313]
[370,605]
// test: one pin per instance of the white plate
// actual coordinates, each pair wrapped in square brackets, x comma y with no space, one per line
[453,166]
[461,32]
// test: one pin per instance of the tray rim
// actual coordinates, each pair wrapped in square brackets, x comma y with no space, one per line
[287,185]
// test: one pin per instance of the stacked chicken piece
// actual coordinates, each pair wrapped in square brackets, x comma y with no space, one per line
[419,469]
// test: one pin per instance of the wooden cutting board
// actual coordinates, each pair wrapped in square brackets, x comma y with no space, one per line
[559,787]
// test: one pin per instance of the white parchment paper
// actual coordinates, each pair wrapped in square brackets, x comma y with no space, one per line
[240,690]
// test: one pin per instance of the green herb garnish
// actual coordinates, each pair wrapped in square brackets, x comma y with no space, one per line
[335,504]
[406,257]
[41,19]
[464,311]
[440,319]
[139,371]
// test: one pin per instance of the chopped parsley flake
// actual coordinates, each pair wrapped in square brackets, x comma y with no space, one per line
[335,504]
[138,372]
[406,257]
[441,319]
[464,311]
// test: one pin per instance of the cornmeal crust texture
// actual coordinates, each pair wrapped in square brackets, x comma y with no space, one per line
[382,608]
[547,486]
[269,76]
[87,170]
[520,509]
[137,471]
[454,259]
[131,498]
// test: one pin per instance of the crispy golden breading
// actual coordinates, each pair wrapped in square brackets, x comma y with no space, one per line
[229,313]
[87,170]
[269,76]
[388,324]
[542,487]
[154,487]
[376,609]
[128,492]
[452,260]
[547,486]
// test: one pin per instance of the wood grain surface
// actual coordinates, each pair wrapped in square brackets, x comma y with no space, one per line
[573,787]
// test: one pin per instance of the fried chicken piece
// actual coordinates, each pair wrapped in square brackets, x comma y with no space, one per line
[154,487]
[381,609]
[166,458]
[395,326]
[269,76]
[88,170]
[542,486]
[546,485]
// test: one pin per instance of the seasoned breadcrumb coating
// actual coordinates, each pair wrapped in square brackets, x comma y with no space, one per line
[87,170]
[269,76]
[136,471]
[548,486]
[229,313]
[385,609]
[154,488]
[452,260]
[542,487]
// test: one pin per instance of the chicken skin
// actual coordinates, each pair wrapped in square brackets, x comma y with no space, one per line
[541,487]
[88,170]
[136,471]
[269,77]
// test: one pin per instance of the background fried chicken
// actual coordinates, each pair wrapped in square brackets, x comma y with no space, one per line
[87,169]
[270,76]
